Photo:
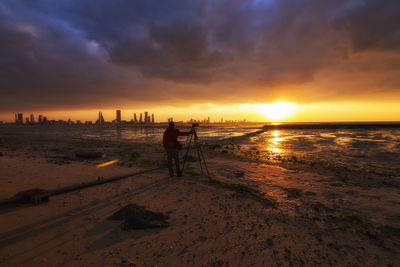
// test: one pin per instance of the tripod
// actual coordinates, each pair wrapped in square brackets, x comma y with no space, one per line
[200,154]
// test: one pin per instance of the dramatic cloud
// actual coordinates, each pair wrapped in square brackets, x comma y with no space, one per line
[373,25]
[81,53]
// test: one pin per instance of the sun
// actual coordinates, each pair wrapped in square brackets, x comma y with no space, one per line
[277,111]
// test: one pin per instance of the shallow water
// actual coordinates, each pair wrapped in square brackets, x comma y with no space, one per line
[137,134]
[372,151]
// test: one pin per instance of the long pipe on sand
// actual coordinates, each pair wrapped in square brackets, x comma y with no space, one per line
[36,196]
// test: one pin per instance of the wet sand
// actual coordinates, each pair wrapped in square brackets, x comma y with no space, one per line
[316,220]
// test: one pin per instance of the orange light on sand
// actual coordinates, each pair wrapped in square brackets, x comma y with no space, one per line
[278,110]
[107,163]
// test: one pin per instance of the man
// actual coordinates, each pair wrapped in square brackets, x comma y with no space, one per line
[172,146]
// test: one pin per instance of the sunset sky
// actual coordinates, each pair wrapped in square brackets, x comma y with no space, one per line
[334,60]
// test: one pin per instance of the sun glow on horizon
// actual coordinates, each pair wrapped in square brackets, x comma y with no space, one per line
[278,110]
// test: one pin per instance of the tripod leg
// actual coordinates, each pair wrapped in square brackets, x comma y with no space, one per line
[198,154]
[204,161]
[187,151]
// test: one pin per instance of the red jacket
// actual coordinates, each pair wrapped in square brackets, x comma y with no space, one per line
[170,138]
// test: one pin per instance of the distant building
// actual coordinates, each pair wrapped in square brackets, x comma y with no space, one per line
[16,118]
[146,117]
[101,118]
[40,119]
[32,119]
[118,116]
[27,120]
[135,118]
[170,119]
[152,118]
[44,120]
[20,119]
[78,122]
[140,118]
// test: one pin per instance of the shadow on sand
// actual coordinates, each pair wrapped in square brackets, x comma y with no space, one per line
[61,220]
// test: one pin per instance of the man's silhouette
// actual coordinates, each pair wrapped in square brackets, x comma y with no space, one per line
[172,146]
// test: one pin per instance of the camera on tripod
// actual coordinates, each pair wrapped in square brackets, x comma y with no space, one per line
[197,146]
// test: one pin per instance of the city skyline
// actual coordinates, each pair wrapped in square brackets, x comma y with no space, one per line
[147,119]
[252,112]
[30,119]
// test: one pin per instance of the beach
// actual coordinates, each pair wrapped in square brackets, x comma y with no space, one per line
[248,214]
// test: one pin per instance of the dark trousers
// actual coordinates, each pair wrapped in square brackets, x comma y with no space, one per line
[173,153]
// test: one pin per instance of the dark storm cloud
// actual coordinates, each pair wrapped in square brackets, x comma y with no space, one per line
[68,54]
[43,59]
[373,25]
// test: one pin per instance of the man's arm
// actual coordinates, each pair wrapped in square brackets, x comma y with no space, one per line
[184,133]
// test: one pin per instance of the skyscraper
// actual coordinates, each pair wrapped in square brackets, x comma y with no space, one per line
[32,119]
[146,117]
[135,118]
[152,118]
[40,119]
[20,118]
[101,118]
[118,116]
[141,118]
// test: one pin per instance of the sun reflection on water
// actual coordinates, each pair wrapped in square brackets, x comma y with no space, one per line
[275,142]
[275,150]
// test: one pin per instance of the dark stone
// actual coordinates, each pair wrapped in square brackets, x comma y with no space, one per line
[214,146]
[269,243]
[218,263]
[89,155]
[239,174]
[34,196]
[309,193]
[60,160]
[137,217]
[318,206]
[293,192]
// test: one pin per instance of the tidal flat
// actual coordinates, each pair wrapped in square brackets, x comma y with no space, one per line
[252,212]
